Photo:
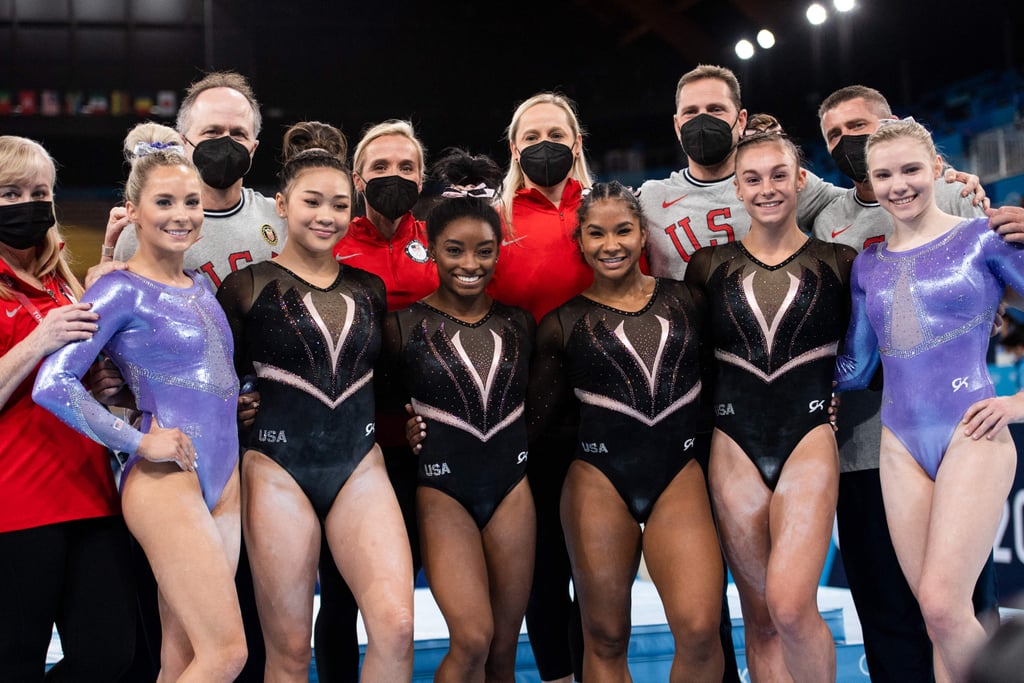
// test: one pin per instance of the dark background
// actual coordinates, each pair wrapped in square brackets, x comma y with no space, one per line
[458,69]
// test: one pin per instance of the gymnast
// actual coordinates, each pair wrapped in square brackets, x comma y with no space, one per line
[166,333]
[309,328]
[629,349]
[778,308]
[923,304]
[464,359]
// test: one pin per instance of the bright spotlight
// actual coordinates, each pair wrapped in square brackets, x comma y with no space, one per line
[744,49]
[765,38]
[844,5]
[817,14]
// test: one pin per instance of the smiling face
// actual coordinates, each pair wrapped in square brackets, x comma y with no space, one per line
[317,205]
[466,252]
[768,181]
[169,213]
[611,239]
[903,173]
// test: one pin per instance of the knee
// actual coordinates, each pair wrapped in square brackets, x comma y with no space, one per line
[607,638]
[472,644]
[696,634]
[392,631]
[230,659]
[292,653]
[942,615]
[790,614]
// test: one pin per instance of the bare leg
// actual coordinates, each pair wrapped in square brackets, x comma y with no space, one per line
[508,548]
[165,511]
[604,547]
[684,560]
[367,537]
[282,535]
[962,513]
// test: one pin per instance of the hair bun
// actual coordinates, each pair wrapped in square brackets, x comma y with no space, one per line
[308,136]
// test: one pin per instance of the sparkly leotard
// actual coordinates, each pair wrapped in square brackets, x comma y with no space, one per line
[174,349]
[927,322]
[775,331]
[468,381]
[637,377]
[313,350]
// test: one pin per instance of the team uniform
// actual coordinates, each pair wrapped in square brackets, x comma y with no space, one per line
[249,232]
[313,350]
[468,381]
[775,331]
[916,325]
[173,348]
[64,544]
[540,266]
[401,262]
[637,377]
[686,214]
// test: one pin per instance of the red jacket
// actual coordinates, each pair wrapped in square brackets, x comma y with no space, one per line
[49,473]
[402,262]
[539,265]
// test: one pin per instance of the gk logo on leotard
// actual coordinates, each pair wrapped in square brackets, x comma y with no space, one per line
[688,444]
[818,404]
[521,458]
[960,383]
[370,428]
[436,469]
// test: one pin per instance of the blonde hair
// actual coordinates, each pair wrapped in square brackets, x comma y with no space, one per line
[904,128]
[20,160]
[148,146]
[514,178]
[389,127]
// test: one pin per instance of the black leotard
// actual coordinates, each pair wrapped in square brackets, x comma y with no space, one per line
[637,377]
[468,381]
[313,350]
[775,331]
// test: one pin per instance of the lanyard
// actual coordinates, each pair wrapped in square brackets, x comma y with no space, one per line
[27,303]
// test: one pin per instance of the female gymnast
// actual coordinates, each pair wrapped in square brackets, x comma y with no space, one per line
[309,328]
[62,537]
[628,347]
[778,307]
[164,330]
[947,463]
[464,359]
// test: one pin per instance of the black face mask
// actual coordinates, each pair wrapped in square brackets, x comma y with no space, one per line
[850,155]
[706,139]
[546,163]
[221,161]
[24,225]
[392,196]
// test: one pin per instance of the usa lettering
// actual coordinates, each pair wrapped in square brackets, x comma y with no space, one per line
[435,469]
[271,436]
[716,225]
[723,409]
[593,447]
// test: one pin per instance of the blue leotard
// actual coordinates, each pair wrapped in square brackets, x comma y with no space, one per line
[173,348]
[925,315]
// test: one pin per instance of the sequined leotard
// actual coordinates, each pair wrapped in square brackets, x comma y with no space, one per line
[313,350]
[174,350]
[637,377]
[775,331]
[927,321]
[468,381]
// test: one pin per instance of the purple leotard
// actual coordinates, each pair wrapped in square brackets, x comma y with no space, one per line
[174,349]
[927,320]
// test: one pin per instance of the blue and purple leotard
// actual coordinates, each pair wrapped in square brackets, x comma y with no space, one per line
[925,314]
[174,349]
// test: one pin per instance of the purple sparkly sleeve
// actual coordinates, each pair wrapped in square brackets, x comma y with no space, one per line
[860,359]
[59,387]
